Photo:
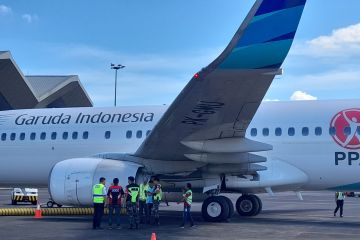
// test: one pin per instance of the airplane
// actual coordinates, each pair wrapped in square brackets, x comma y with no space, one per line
[218,134]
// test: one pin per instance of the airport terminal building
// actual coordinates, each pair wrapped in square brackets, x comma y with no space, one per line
[18,91]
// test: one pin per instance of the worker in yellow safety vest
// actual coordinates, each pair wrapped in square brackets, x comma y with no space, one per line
[187,200]
[132,200]
[99,196]
[339,199]
[143,212]
[157,199]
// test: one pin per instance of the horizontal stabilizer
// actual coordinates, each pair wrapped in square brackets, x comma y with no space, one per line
[220,158]
[228,145]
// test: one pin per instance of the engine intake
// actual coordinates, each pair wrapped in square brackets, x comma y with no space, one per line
[71,181]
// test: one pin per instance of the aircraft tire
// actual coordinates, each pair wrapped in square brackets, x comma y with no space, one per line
[260,205]
[231,206]
[215,209]
[247,205]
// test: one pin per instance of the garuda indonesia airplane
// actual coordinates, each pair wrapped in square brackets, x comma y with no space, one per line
[216,134]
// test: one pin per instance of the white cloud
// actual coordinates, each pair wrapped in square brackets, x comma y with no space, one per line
[347,37]
[342,42]
[30,18]
[5,10]
[299,95]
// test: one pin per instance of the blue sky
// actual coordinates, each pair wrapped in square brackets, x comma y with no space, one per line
[163,43]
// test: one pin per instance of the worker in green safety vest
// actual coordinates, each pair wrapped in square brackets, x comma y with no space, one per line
[132,199]
[142,200]
[99,195]
[157,199]
[339,199]
[187,200]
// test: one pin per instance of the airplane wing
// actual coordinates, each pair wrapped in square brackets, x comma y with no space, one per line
[219,102]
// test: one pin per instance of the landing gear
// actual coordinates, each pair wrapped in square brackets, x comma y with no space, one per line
[217,209]
[248,205]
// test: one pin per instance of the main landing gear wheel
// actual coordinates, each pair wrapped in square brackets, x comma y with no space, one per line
[215,209]
[231,206]
[248,205]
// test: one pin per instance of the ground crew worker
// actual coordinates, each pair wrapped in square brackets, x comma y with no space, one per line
[132,198]
[149,200]
[339,199]
[142,200]
[114,194]
[187,200]
[99,194]
[157,199]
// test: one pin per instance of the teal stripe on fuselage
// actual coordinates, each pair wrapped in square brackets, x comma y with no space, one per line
[257,55]
[349,187]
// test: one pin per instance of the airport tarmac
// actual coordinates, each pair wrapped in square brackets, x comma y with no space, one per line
[283,217]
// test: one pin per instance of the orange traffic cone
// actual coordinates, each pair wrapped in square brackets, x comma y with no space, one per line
[153,236]
[38,212]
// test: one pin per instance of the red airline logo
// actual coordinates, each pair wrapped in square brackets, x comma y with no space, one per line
[347,125]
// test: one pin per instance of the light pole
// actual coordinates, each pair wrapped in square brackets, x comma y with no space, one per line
[116,67]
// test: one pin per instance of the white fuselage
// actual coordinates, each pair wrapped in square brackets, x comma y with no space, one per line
[99,130]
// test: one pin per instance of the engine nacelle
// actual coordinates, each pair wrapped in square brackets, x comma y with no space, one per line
[71,181]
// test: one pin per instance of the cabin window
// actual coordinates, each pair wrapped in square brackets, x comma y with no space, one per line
[318,131]
[85,135]
[332,131]
[53,135]
[291,132]
[347,131]
[278,132]
[107,134]
[32,136]
[253,132]
[74,135]
[266,132]
[128,134]
[22,136]
[305,131]
[139,134]
[12,136]
[3,136]
[65,135]
[43,136]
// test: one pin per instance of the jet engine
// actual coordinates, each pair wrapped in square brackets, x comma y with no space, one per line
[71,181]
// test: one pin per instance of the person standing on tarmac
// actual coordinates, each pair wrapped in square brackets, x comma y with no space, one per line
[132,199]
[187,200]
[142,200]
[114,194]
[99,195]
[157,199]
[149,200]
[339,199]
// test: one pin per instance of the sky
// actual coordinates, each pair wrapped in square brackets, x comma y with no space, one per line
[163,43]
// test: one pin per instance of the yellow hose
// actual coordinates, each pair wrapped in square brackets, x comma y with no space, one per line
[51,211]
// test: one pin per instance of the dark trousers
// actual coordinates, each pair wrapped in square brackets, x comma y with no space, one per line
[339,204]
[117,214]
[187,216]
[98,213]
[142,210]
[148,213]
[132,212]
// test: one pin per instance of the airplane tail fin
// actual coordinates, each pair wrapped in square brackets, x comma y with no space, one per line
[264,38]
